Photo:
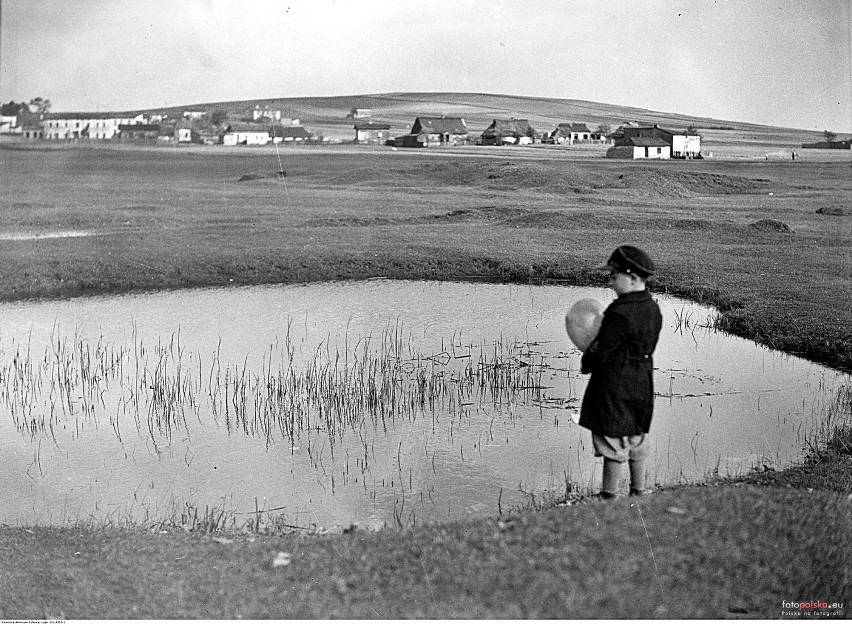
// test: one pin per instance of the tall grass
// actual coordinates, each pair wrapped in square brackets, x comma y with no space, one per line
[833,433]
[162,387]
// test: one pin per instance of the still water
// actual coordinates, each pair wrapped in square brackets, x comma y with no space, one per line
[378,402]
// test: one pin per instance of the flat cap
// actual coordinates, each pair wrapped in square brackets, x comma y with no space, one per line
[629,259]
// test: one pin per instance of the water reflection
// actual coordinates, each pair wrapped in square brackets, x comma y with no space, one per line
[333,403]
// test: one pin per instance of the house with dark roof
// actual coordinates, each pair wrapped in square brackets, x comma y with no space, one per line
[32,130]
[168,133]
[185,132]
[209,134]
[681,144]
[12,117]
[239,133]
[290,134]
[439,131]
[359,113]
[640,147]
[509,132]
[371,132]
[138,132]
[571,133]
[642,131]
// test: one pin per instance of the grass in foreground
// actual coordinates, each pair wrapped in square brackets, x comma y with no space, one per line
[729,549]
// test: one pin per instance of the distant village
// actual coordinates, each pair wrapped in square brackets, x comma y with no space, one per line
[262,125]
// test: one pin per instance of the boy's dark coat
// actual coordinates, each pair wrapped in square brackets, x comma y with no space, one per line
[619,399]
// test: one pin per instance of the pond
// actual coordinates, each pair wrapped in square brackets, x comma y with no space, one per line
[376,402]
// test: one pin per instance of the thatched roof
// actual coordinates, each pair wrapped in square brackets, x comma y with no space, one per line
[439,125]
[510,127]
[568,128]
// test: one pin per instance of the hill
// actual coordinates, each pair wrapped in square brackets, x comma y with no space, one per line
[328,115]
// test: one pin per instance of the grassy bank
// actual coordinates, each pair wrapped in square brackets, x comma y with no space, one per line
[768,243]
[730,549]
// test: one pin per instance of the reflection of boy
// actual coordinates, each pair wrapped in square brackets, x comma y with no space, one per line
[619,400]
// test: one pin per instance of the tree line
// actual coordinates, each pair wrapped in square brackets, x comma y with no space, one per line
[36,108]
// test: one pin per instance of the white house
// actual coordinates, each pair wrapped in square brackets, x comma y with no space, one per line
[266,112]
[439,131]
[371,132]
[686,145]
[186,131]
[64,126]
[9,124]
[32,131]
[640,147]
[571,133]
[246,134]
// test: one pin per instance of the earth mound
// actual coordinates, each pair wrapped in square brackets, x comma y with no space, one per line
[771,225]
[515,175]
[834,211]
[262,175]
[661,183]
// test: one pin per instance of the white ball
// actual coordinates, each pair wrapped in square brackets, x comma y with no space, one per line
[583,321]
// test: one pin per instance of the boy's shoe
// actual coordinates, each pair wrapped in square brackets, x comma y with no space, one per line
[642,492]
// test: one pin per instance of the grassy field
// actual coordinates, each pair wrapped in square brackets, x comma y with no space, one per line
[755,238]
[767,241]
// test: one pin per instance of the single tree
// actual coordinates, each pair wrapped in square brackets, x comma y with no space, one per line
[39,106]
[604,129]
[829,136]
[691,130]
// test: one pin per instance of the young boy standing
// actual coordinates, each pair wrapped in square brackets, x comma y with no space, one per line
[619,400]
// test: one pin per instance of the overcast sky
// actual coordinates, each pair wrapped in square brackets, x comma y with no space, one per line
[776,62]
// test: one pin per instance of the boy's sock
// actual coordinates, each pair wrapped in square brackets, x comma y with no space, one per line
[611,474]
[637,475]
